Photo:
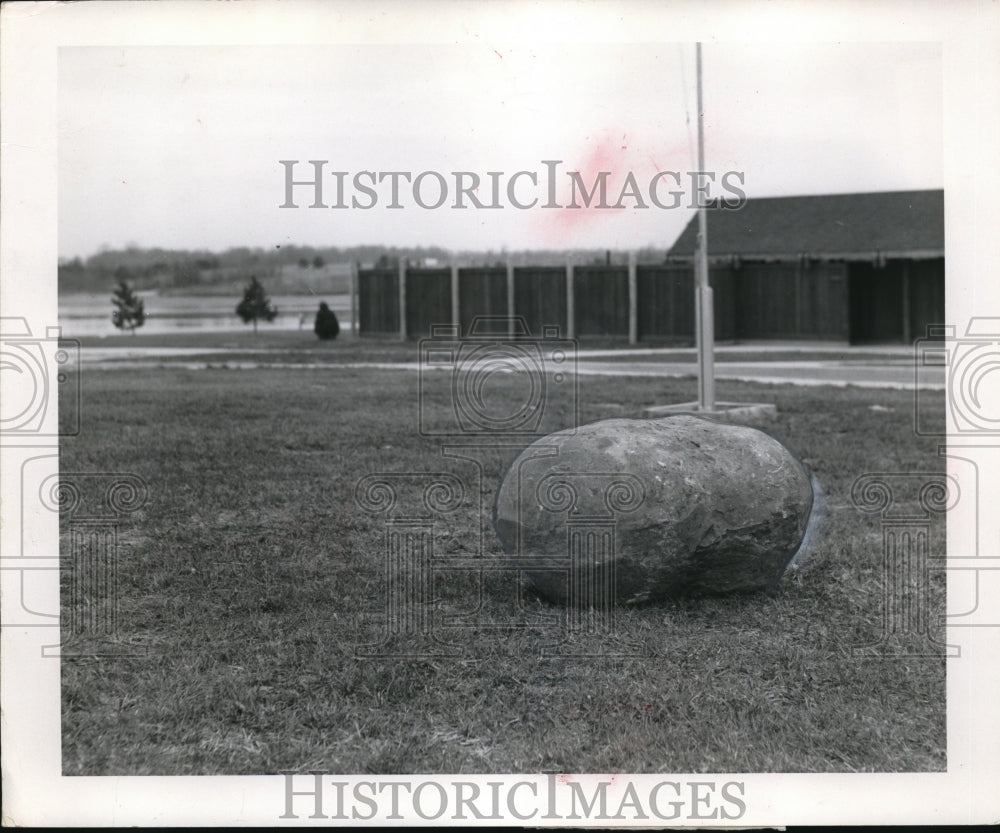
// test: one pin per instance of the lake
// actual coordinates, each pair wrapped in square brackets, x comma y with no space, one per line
[89,314]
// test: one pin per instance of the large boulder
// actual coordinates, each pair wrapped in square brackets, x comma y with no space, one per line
[630,511]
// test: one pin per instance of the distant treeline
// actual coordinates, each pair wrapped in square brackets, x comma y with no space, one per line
[284,269]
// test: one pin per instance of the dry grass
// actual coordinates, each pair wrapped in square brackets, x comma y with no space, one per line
[251,578]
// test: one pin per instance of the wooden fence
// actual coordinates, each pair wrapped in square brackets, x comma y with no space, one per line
[631,302]
[792,299]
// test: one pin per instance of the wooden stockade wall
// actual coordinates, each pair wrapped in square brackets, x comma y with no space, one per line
[805,299]
[428,300]
[481,292]
[540,298]
[378,302]
[597,297]
[600,300]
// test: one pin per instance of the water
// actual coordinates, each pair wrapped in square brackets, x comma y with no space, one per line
[89,314]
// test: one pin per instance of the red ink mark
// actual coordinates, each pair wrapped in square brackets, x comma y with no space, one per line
[620,155]
[609,155]
[499,55]
[602,157]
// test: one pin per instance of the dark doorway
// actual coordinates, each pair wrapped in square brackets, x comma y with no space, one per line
[926,301]
[876,303]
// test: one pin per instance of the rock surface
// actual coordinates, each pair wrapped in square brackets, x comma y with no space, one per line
[627,511]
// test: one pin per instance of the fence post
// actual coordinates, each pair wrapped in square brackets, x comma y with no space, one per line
[633,301]
[570,302]
[455,319]
[907,336]
[402,299]
[510,299]
[355,286]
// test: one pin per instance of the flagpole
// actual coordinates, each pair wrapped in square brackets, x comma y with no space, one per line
[704,317]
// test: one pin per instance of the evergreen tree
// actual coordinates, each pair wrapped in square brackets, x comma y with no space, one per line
[128,312]
[327,326]
[255,305]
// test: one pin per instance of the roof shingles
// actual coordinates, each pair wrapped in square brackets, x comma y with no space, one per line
[831,224]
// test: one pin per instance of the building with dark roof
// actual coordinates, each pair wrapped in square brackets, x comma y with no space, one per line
[854,267]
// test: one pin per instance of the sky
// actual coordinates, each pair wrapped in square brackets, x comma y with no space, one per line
[180,146]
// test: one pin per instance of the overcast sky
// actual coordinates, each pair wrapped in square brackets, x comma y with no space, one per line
[179,147]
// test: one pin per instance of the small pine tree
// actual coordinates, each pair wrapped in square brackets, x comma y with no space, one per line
[128,312]
[255,305]
[327,326]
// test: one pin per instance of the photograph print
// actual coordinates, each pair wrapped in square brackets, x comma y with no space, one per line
[345,554]
[435,410]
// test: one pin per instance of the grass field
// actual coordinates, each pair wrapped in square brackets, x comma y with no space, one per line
[251,578]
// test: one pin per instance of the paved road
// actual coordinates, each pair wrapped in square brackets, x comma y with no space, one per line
[841,373]
[868,367]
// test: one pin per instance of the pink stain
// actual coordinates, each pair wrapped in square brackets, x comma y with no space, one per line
[621,152]
[602,156]
[619,157]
